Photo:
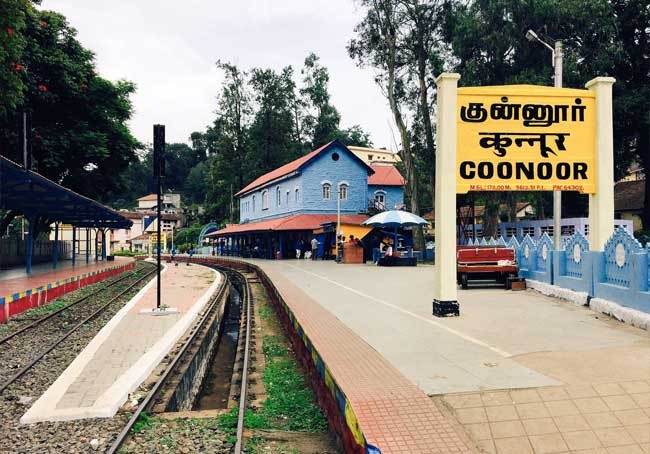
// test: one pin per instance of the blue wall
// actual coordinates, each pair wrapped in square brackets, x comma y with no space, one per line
[289,184]
[394,195]
[309,183]
[325,169]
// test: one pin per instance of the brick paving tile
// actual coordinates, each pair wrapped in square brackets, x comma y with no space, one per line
[507,429]
[591,405]
[582,440]
[562,408]
[549,443]
[632,417]
[614,436]
[581,391]
[602,420]
[640,433]
[550,394]
[631,449]
[539,426]
[636,386]
[623,402]
[641,399]
[371,383]
[517,445]
[525,396]
[572,423]
[532,410]
[609,389]
[501,413]
[496,398]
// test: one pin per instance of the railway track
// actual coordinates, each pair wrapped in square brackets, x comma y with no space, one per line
[231,273]
[53,329]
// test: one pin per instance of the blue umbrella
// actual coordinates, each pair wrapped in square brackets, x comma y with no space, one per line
[395,219]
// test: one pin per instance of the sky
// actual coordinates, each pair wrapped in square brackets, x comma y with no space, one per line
[169,48]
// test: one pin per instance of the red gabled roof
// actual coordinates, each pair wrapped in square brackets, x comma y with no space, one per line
[149,197]
[629,195]
[292,222]
[282,171]
[385,176]
[292,167]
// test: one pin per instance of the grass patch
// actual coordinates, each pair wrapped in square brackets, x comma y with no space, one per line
[290,403]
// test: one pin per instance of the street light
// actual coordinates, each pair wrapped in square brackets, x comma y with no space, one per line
[557,55]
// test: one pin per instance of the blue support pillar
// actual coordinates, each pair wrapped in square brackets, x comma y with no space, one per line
[30,244]
[87,245]
[280,245]
[96,244]
[55,248]
[74,245]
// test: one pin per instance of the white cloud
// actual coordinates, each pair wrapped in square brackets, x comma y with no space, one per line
[168,48]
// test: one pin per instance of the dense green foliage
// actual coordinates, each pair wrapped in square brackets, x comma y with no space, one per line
[78,135]
[411,41]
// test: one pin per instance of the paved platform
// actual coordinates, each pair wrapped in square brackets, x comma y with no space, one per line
[19,291]
[521,372]
[127,349]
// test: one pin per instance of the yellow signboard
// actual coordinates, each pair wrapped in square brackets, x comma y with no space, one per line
[525,138]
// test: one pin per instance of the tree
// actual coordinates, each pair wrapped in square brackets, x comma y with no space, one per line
[378,40]
[12,43]
[79,133]
[323,121]
[271,131]
[489,48]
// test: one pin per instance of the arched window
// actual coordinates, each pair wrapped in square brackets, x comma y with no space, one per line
[327,189]
[380,196]
[265,200]
[278,196]
[297,195]
[343,191]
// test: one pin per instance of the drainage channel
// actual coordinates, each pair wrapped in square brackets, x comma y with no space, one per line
[216,385]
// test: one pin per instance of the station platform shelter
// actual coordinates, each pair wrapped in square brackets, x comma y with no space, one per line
[43,204]
[276,238]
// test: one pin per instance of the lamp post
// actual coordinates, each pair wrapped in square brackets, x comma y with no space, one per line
[338,225]
[557,55]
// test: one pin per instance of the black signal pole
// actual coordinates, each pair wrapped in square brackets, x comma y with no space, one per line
[158,174]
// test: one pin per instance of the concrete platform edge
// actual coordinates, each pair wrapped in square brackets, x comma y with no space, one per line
[44,408]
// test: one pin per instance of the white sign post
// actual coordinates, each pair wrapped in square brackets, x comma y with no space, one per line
[446,292]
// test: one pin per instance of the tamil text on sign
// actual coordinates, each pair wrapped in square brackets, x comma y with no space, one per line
[525,138]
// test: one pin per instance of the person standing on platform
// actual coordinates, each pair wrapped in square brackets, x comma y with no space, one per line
[314,248]
[298,247]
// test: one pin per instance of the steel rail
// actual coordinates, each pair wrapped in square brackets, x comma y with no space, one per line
[244,378]
[52,346]
[153,393]
[40,320]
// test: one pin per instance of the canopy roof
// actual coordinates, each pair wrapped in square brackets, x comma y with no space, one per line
[292,222]
[34,195]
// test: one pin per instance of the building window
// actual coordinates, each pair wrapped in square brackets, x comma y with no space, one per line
[278,196]
[253,203]
[369,157]
[511,231]
[297,195]
[343,191]
[568,229]
[327,189]
[380,197]
[265,200]
[287,198]
[528,231]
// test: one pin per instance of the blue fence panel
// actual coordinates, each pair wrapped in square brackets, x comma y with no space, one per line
[621,272]
[526,257]
[573,265]
[543,262]
[501,241]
